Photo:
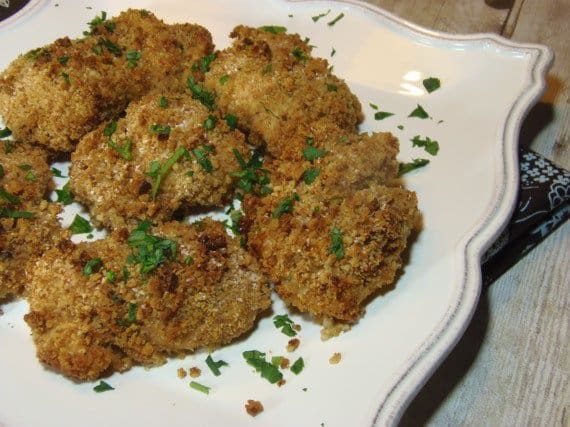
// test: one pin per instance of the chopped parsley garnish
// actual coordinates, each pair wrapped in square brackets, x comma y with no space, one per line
[110,128]
[210,122]
[276,360]
[158,171]
[63,59]
[30,176]
[299,54]
[25,167]
[283,322]
[160,129]
[298,366]
[320,15]
[419,112]
[334,21]
[198,92]
[231,120]
[252,177]
[133,57]
[267,69]
[110,46]
[200,387]
[204,63]
[201,154]
[381,115]
[8,213]
[80,225]
[64,195]
[10,198]
[5,132]
[92,266]
[66,78]
[57,173]
[404,168]
[401,127]
[310,175]
[102,386]
[430,145]
[149,251]
[98,20]
[1,171]
[123,150]
[337,246]
[333,51]
[431,84]
[163,102]
[224,79]
[215,366]
[331,87]
[285,205]
[373,106]
[273,29]
[267,370]
[111,276]
[311,153]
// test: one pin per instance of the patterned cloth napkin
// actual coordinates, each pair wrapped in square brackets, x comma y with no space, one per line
[543,204]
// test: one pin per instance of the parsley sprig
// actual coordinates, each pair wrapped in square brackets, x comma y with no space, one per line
[158,171]
[149,251]
[252,177]
[267,370]
[283,322]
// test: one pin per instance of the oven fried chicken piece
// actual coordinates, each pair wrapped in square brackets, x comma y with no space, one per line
[135,298]
[277,90]
[155,161]
[55,94]
[28,222]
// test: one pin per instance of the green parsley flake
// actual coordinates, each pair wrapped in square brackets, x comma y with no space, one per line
[123,150]
[66,78]
[337,246]
[92,266]
[311,153]
[160,129]
[320,15]
[299,54]
[419,112]
[149,251]
[267,69]
[373,106]
[57,173]
[331,87]
[200,387]
[8,213]
[431,84]
[430,145]
[80,225]
[273,29]
[310,175]
[224,79]
[110,128]
[334,21]
[285,205]
[5,132]
[158,171]
[298,366]
[401,127]
[1,171]
[133,57]
[333,51]
[163,102]
[111,276]
[10,198]
[102,386]
[64,195]
[381,115]
[252,177]
[267,370]
[404,168]
[210,122]
[201,154]
[285,323]
[276,360]
[215,366]
[198,92]
[231,120]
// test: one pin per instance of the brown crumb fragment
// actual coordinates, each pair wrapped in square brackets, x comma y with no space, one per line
[253,407]
[335,358]
[181,373]
[293,344]
[281,382]
[296,327]
[195,372]
[284,364]
[332,328]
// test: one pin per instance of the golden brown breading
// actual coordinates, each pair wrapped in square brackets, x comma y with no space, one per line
[56,94]
[327,255]
[277,90]
[143,299]
[120,191]
[28,223]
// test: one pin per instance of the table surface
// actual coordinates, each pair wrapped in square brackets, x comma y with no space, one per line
[512,366]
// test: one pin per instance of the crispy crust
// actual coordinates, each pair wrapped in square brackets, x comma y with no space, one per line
[278,94]
[118,192]
[54,104]
[78,321]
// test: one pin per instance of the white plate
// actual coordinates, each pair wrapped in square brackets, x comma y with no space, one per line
[466,195]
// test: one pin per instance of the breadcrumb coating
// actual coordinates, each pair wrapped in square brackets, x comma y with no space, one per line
[88,324]
[120,191]
[55,94]
[277,90]
[28,222]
